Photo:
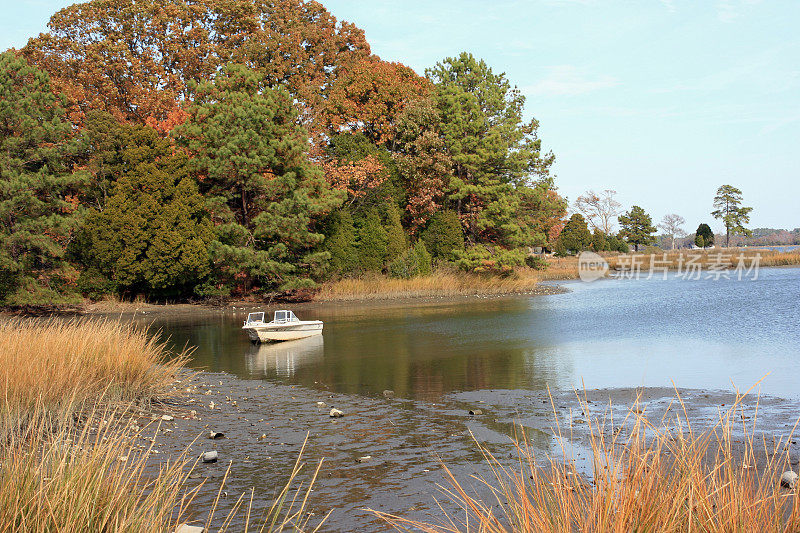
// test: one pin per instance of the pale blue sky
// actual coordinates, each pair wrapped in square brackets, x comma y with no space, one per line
[661,100]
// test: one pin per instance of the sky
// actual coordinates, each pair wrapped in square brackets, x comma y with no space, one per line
[662,101]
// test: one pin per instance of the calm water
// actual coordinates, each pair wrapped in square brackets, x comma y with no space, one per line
[609,333]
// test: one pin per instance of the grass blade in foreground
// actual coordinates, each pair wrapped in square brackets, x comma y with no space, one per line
[662,477]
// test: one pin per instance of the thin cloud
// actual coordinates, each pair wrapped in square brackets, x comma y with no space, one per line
[731,10]
[568,80]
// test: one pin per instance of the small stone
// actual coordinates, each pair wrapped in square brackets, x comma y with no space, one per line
[475,412]
[210,457]
[320,404]
[123,458]
[214,435]
[263,436]
[211,405]
[364,459]
[789,479]
[167,418]
[388,394]
[186,528]
[335,413]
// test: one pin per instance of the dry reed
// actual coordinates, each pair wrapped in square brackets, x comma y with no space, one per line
[663,476]
[68,458]
[56,365]
[440,283]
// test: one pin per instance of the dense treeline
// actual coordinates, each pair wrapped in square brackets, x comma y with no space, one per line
[212,148]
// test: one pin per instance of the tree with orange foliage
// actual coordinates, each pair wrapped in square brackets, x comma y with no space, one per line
[370,96]
[423,161]
[135,59]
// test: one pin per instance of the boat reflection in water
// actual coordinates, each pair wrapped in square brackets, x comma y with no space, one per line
[283,359]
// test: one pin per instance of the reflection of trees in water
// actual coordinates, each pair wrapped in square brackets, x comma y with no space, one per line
[425,359]
[284,358]
[419,351]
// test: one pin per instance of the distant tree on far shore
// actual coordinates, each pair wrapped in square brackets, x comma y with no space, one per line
[575,236]
[728,208]
[671,224]
[704,237]
[637,227]
[600,210]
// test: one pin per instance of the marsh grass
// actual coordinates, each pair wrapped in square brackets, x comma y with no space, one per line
[76,479]
[440,283]
[562,268]
[713,257]
[59,366]
[69,458]
[648,476]
[94,478]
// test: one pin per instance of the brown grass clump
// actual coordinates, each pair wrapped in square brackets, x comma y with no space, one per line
[560,268]
[69,459]
[440,283]
[57,365]
[662,476]
[77,480]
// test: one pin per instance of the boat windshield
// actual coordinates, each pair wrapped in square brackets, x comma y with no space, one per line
[255,317]
[285,316]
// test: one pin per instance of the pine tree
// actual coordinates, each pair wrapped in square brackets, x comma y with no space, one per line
[728,208]
[268,199]
[38,214]
[492,149]
[637,227]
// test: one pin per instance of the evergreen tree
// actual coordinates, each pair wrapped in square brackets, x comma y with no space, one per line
[424,259]
[38,210]
[153,236]
[372,242]
[576,236]
[637,227]
[443,234]
[341,244]
[700,241]
[102,142]
[268,199]
[616,244]
[728,208]
[599,242]
[396,242]
[492,149]
[704,237]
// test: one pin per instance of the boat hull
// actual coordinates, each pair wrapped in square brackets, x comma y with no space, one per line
[283,332]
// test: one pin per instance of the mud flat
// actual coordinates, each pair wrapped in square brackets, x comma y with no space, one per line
[386,453]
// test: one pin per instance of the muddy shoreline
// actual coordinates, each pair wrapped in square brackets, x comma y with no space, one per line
[127,309]
[265,425]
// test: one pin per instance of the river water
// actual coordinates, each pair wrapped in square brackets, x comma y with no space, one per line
[516,359]
[704,334]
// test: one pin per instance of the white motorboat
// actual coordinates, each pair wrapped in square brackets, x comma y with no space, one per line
[285,326]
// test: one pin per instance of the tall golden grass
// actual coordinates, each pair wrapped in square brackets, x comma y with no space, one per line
[74,480]
[662,476]
[567,267]
[56,364]
[440,283]
[68,458]
[718,257]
